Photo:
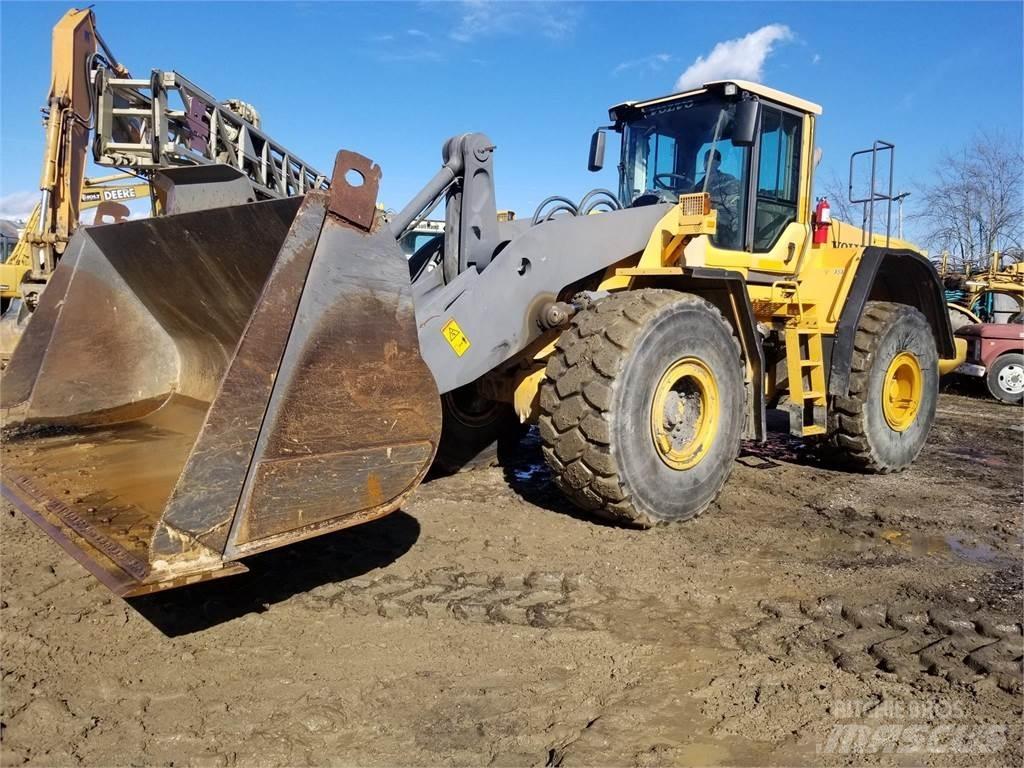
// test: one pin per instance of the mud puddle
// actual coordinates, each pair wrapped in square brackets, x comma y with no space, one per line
[960,546]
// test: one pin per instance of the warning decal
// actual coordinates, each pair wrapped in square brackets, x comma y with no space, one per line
[455,337]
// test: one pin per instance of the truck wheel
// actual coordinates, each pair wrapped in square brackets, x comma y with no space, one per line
[475,431]
[894,386]
[1005,378]
[642,408]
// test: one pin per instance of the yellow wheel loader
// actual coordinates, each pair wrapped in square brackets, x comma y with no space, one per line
[197,388]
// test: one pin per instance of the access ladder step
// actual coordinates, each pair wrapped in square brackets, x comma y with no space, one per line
[807,387]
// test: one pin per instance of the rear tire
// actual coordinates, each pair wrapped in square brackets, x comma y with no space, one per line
[1005,378]
[475,431]
[642,408]
[894,386]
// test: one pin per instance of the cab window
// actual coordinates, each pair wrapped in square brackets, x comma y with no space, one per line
[721,167]
[778,176]
[664,152]
[733,159]
[686,147]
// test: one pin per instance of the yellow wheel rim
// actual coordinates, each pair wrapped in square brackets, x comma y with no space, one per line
[684,413]
[901,391]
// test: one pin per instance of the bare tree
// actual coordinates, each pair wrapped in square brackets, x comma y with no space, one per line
[838,194]
[975,202]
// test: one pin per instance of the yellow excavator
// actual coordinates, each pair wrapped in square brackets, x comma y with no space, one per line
[231,380]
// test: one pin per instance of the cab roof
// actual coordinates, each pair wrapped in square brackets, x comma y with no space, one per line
[744,85]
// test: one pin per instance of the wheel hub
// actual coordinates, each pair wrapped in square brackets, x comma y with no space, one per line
[684,413]
[1011,379]
[902,390]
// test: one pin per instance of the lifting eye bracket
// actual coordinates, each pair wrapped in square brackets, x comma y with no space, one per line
[355,204]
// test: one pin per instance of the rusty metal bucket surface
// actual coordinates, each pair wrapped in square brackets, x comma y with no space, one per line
[199,387]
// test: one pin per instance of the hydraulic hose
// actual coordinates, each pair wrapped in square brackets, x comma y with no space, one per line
[567,204]
[593,198]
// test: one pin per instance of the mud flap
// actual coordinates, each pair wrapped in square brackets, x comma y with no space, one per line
[204,386]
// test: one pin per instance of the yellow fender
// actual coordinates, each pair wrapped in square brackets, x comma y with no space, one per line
[950,365]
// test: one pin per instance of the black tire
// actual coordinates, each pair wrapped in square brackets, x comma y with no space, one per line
[1004,378]
[475,431]
[864,436]
[596,403]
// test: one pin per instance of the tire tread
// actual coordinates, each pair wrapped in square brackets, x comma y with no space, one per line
[592,353]
[851,434]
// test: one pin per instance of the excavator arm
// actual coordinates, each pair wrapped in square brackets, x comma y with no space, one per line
[69,115]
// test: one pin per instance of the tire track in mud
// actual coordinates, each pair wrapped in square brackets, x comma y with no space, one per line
[912,642]
[540,600]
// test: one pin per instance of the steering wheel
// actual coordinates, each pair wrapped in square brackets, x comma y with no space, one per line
[685,181]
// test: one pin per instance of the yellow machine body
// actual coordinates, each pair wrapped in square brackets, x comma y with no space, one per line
[797,287]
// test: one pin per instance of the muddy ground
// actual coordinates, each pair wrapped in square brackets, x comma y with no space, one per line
[813,616]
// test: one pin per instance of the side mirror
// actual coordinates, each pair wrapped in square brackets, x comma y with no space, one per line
[596,162]
[746,122]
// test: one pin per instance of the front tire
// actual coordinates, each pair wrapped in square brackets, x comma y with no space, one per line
[643,407]
[1005,378]
[894,387]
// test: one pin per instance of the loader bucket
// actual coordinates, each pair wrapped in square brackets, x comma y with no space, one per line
[195,388]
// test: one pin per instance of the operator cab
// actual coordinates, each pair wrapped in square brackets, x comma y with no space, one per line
[739,142]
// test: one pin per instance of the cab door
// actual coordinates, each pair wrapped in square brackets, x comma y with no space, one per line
[775,211]
[777,220]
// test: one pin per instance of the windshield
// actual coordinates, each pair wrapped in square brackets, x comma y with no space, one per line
[686,147]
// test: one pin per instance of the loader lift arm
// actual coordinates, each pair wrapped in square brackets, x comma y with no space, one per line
[466,182]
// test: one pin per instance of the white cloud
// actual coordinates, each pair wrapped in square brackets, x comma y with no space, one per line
[653,62]
[18,205]
[480,18]
[742,58]
[415,33]
[816,58]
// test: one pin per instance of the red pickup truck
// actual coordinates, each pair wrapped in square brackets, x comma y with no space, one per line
[995,352]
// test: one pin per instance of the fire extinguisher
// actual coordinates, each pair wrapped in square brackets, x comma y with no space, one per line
[822,221]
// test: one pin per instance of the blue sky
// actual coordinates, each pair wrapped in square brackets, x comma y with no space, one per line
[393,80]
